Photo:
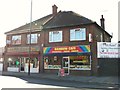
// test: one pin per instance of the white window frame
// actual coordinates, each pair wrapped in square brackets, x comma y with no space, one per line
[55,38]
[34,40]
[82,34]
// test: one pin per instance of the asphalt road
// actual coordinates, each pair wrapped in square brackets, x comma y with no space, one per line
[30,83]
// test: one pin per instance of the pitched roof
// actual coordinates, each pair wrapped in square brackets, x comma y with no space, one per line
[66,18]
[69,18]
[62,19]
[36,25]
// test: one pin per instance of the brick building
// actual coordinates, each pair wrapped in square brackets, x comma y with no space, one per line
[1,53]
[62,39]
[1,58]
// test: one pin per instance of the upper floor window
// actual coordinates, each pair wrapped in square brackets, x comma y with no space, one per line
[16,39]
[34,38]
[55,36]
[77,34]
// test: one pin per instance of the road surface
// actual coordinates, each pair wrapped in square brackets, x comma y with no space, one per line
[14,82]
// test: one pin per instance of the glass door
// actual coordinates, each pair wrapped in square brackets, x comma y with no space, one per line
[22,64]
[66,65]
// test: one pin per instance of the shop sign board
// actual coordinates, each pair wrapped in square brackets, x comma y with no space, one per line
[108,50]
[67,49]
[61,72]
[22,49]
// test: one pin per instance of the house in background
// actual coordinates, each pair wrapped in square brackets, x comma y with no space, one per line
[62,39]
[2,49]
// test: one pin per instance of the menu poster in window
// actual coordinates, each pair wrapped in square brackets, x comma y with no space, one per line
[45,62]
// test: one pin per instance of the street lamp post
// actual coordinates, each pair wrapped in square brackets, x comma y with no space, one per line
[30,38]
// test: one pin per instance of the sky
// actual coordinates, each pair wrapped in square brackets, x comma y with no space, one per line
[15,13]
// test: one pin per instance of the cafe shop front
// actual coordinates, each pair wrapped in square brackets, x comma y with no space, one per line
[73,59]
[17,59]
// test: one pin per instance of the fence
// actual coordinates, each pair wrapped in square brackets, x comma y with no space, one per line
[109,66]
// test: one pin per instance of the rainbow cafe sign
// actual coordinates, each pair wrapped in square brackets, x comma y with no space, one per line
[67,49]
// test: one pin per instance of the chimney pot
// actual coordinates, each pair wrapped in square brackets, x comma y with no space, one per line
[102,16]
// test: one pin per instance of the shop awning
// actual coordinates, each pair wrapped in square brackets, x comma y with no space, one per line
[67,50]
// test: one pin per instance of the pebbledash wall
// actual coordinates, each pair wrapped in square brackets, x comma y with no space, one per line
[59,40]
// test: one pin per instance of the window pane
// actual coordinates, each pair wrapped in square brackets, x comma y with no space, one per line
[50,36]
[83,34]
[60,36]
[80,63]
[78,34]
[33,38]
[16,39]
[55,36]
[72,34]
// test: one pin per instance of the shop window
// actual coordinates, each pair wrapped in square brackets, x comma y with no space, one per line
[34,38]
[80,63]
[77,34]
[51,63]
[35,62]
[55,58]
[13,62]
[55,36]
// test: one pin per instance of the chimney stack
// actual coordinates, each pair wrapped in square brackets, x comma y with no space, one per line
[54,10]
[102,20]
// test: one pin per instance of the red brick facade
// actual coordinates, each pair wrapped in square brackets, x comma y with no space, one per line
[56,59]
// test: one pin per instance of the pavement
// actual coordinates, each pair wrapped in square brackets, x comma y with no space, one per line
[112,80]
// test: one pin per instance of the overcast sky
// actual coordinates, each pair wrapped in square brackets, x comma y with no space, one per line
[15,13]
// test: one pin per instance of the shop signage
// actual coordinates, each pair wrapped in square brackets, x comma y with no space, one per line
[108,50]
[61,72]
[67,49]
[22,49]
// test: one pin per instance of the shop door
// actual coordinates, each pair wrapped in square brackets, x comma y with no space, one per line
[66,65]
[22,64]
